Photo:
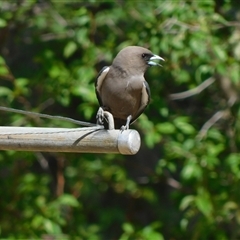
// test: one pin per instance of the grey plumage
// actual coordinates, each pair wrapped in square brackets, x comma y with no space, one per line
[121,88]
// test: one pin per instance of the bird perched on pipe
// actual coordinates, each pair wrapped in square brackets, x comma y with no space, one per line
[121,88]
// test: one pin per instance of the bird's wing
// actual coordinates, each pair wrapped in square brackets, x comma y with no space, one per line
[145,99]
[99,80]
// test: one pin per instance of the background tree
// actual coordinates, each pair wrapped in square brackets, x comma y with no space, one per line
[184,182]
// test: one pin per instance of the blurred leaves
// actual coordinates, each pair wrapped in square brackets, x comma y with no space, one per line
[178,186]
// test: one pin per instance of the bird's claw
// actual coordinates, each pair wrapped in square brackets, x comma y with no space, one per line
[103,115]
[126,126]
[100,116]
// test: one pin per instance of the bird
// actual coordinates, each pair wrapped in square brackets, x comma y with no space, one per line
[121,88]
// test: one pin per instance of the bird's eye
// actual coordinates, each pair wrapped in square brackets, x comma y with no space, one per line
[143,55]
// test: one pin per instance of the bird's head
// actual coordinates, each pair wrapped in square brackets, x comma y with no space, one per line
[134,58]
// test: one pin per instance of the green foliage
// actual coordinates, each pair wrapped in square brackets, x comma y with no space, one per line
[184,182]
[149,232]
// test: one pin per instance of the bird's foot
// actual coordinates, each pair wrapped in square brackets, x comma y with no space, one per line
[100,116]
[104,117]
[126,126]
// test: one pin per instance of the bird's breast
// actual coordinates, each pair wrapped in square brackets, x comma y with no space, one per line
[123,96]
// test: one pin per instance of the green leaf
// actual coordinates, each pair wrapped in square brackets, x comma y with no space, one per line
[152,235]
[2,61]
[215,149]
[230,205]
[128,228]
[4,91]
[186,202]
[150,232]
[219,18]
[191,170]
[220,53]
[3,23]
[234,71]
[165,128]
[203,202]
[184,126]
[69,200]
[69,49]
[51,227]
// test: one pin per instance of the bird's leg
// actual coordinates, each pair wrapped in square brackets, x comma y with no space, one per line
[100,116]
[109,118]
[126,127]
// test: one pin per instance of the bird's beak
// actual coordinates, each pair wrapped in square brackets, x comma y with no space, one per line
[155,57]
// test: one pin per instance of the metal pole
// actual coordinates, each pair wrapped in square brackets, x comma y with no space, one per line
[86,139]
